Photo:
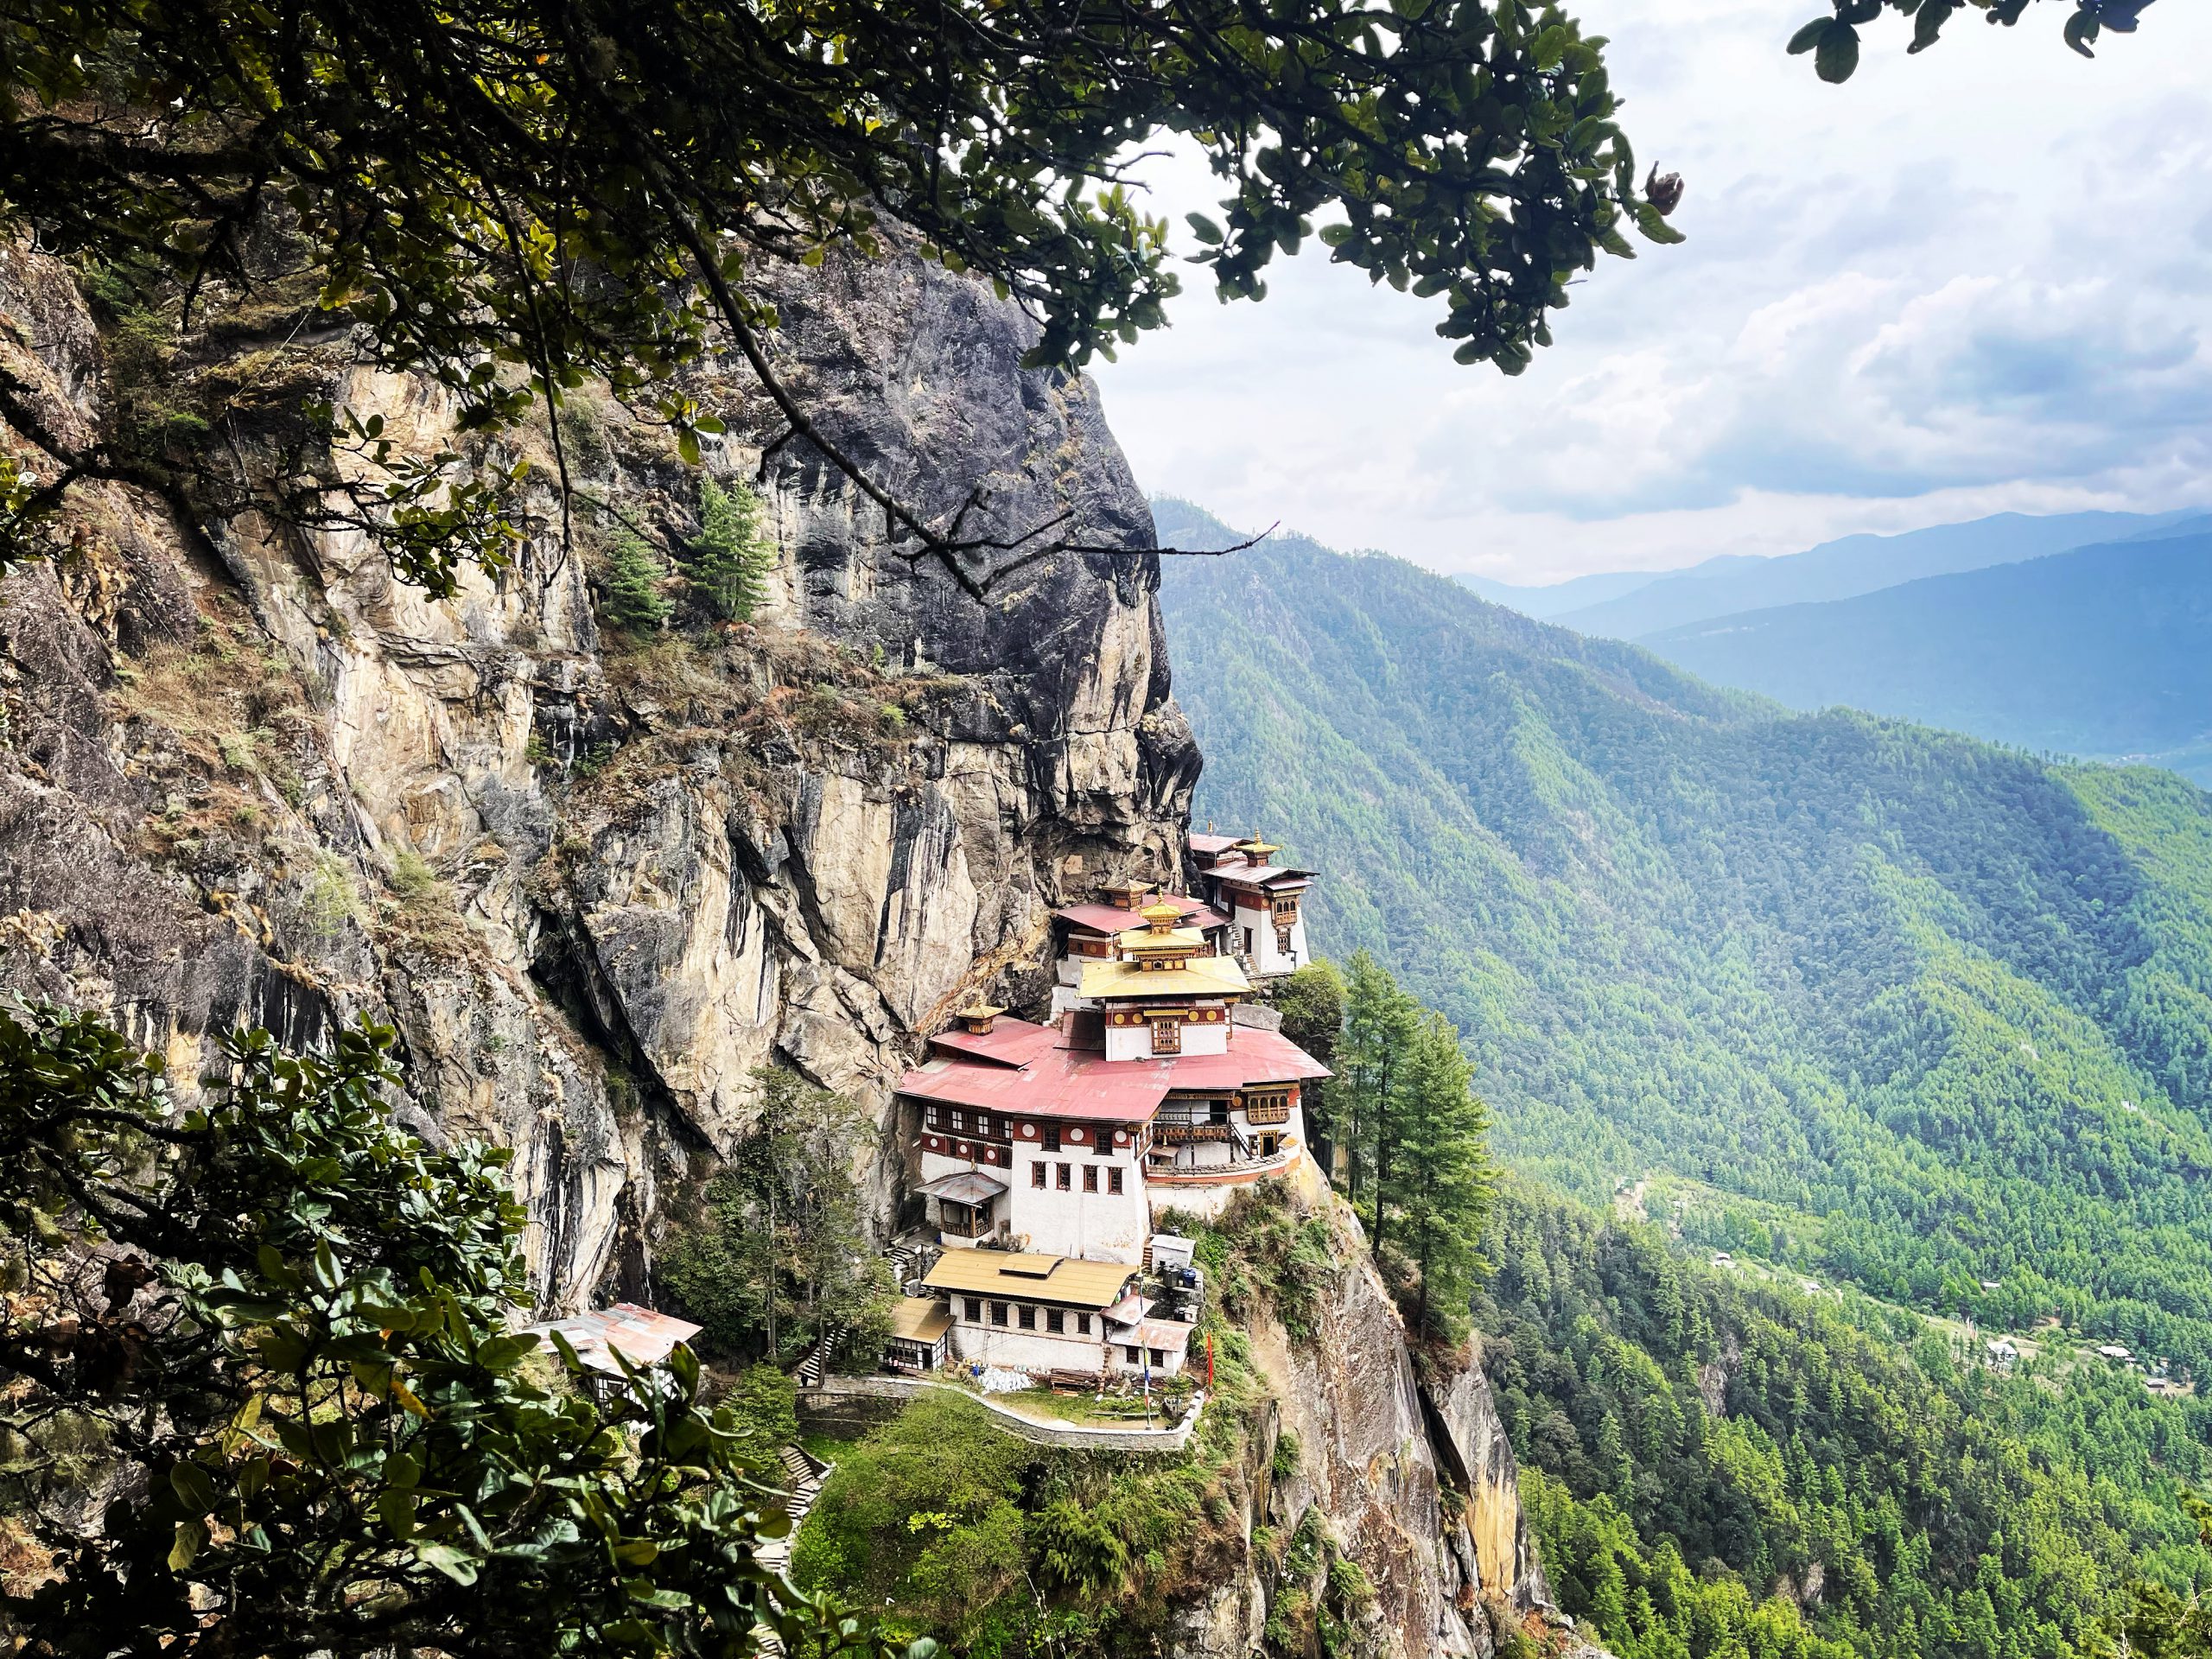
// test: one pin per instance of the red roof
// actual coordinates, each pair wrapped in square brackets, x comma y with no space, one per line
[1213,843]
[1072,1083]
[1254,1056]
[1101,918]
[1009,1042]
[1083,1085]
[1110,919]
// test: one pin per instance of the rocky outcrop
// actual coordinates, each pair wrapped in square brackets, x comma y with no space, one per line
[248,777]
[1477,1459]
[1411,1479]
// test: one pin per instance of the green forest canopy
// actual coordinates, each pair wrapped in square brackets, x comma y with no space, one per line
[520,201]
[1904,1008]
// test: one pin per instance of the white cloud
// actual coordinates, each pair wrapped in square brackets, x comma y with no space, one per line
[1966,283]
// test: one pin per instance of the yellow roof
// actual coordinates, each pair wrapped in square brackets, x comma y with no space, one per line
[1029,1277]
[1181,938]
[917,1319]
[1162,912]
[1200,976]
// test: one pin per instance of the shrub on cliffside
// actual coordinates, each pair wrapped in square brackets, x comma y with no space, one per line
[275,1329]
[772,1259]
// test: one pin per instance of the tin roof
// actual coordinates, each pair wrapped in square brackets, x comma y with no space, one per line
[918,1318]
[965,1186]
[1200,976]
[1213,843]
[1171,1335]
[1240,873]
[1031,1277]
[1254,1056]
[1083,1085]
[1100,918]
[1111,919]
[640,1335]
[1068,1083]
[1009,1042]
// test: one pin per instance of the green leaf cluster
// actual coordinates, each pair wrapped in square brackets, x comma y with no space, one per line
[1834,40]
[284,1327]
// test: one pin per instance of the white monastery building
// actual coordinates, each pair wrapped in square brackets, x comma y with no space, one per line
[1261,899]
[1042,1150]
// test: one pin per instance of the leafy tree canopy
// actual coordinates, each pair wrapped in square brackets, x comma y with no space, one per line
[274,1331]
[1834,40]
[518,199]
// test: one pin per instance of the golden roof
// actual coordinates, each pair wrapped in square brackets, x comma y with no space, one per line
[1183,938]
[918,1318]
[1163,914]
[1027,1277]
[1128,980]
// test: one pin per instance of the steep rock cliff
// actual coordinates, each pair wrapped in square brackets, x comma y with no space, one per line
[1408,1476]
[247,777]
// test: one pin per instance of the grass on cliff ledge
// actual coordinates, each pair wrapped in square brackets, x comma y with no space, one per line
[999,1548]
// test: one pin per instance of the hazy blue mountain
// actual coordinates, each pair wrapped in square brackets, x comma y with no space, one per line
[1560,596]
[2104,651]
[1840,570]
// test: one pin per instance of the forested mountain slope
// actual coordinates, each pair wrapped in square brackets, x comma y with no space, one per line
[2103,651]
[1868,1486]
[1926,1012]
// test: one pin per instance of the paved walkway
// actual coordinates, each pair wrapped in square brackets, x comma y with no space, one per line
[1037,1431]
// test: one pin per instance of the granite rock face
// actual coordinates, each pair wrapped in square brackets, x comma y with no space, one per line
[248,778]
[1411,1479]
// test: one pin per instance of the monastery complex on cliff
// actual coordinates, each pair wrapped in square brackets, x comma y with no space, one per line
[1044,1150]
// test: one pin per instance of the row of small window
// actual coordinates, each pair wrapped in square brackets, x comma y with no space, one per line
[1063,1177]
[1058,1321]
[954,1120]
[957,1120]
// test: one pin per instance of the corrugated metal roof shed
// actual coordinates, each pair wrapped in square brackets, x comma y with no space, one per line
[642,1336]
[917,1318]
[965,1186]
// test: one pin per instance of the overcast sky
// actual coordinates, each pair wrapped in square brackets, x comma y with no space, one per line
[1967,282]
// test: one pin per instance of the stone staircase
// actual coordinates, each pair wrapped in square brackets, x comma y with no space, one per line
[803,1474]
[810,1371]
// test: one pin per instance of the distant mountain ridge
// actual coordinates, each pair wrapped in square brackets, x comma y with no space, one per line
[2103,651]
[1633,604]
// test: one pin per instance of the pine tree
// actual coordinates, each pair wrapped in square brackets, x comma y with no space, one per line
[729,559]
[1380,1022]
[634,600]
[1441,1182]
